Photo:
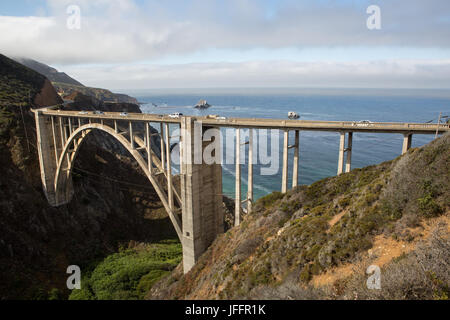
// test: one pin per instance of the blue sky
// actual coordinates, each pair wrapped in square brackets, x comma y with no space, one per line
[21,7]
[148,43]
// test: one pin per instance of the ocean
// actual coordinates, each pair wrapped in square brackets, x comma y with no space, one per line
[318,150]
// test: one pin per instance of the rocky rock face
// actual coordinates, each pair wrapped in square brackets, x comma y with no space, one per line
[47,96]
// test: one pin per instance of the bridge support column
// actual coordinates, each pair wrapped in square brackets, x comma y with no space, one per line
[407,139]
[296,156]
[46,150]
[169,167]
[201,194]
[250,172]
[131,135]
[55,145]
[284,181]
[341,153]
[163,164]
[149,148]
[348,163]
[237,201]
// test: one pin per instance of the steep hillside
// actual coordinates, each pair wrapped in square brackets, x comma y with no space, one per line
[51,73]
[20,85]
[317,241]
[67,85]
[113,203]
[99,94]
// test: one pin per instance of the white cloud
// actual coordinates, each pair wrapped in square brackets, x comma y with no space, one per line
[120,31]
[372,74]
[118,36]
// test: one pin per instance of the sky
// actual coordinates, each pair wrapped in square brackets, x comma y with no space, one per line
[148,44]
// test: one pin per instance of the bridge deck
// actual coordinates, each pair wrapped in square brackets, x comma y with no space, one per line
[308,125]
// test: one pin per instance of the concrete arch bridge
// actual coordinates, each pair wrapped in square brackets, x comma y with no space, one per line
[60,135]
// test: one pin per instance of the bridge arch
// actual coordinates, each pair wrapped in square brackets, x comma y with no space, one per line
[63,176]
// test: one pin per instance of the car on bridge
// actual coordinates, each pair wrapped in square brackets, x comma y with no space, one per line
[83,112]
[175,115]
[362,123]
[124,114]
[98,112]
[216,117]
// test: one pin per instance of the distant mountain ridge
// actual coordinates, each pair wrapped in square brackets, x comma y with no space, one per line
[51,73]
[66,85]
[103,95]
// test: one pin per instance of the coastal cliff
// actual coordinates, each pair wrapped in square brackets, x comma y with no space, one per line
[39,242]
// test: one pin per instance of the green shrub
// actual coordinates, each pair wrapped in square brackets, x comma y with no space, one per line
[270,199]
[130,273]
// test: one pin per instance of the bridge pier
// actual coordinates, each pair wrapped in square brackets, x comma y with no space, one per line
[169,168]
[250,172]
[47,157]
[296,159]
[237,200]
[201,194]
[342,164]
[285,168]
[284,177]
[407,140]
[348,163]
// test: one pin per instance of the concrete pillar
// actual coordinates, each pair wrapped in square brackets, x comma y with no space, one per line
[284,181]
[237,201]
[341,154]
[54,140]
[250,172]
[180,148]
[116,128]
[169,167]
[65,132]
[66,137]
[131,136]
[47,158]
[407,139]
[201,193]
[296,156]
[348,163]
[163,165]
[61,130]
[69,120]
[148,146]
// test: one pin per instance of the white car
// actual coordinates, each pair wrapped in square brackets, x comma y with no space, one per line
[175,115]
[124,114]
[216,117]
[362,123]
[83,112]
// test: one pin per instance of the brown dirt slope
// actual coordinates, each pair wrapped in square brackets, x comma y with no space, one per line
[290,241]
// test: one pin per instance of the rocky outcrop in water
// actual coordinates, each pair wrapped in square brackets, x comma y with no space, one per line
[202,104]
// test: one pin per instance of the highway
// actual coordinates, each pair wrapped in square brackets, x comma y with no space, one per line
[260,123]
